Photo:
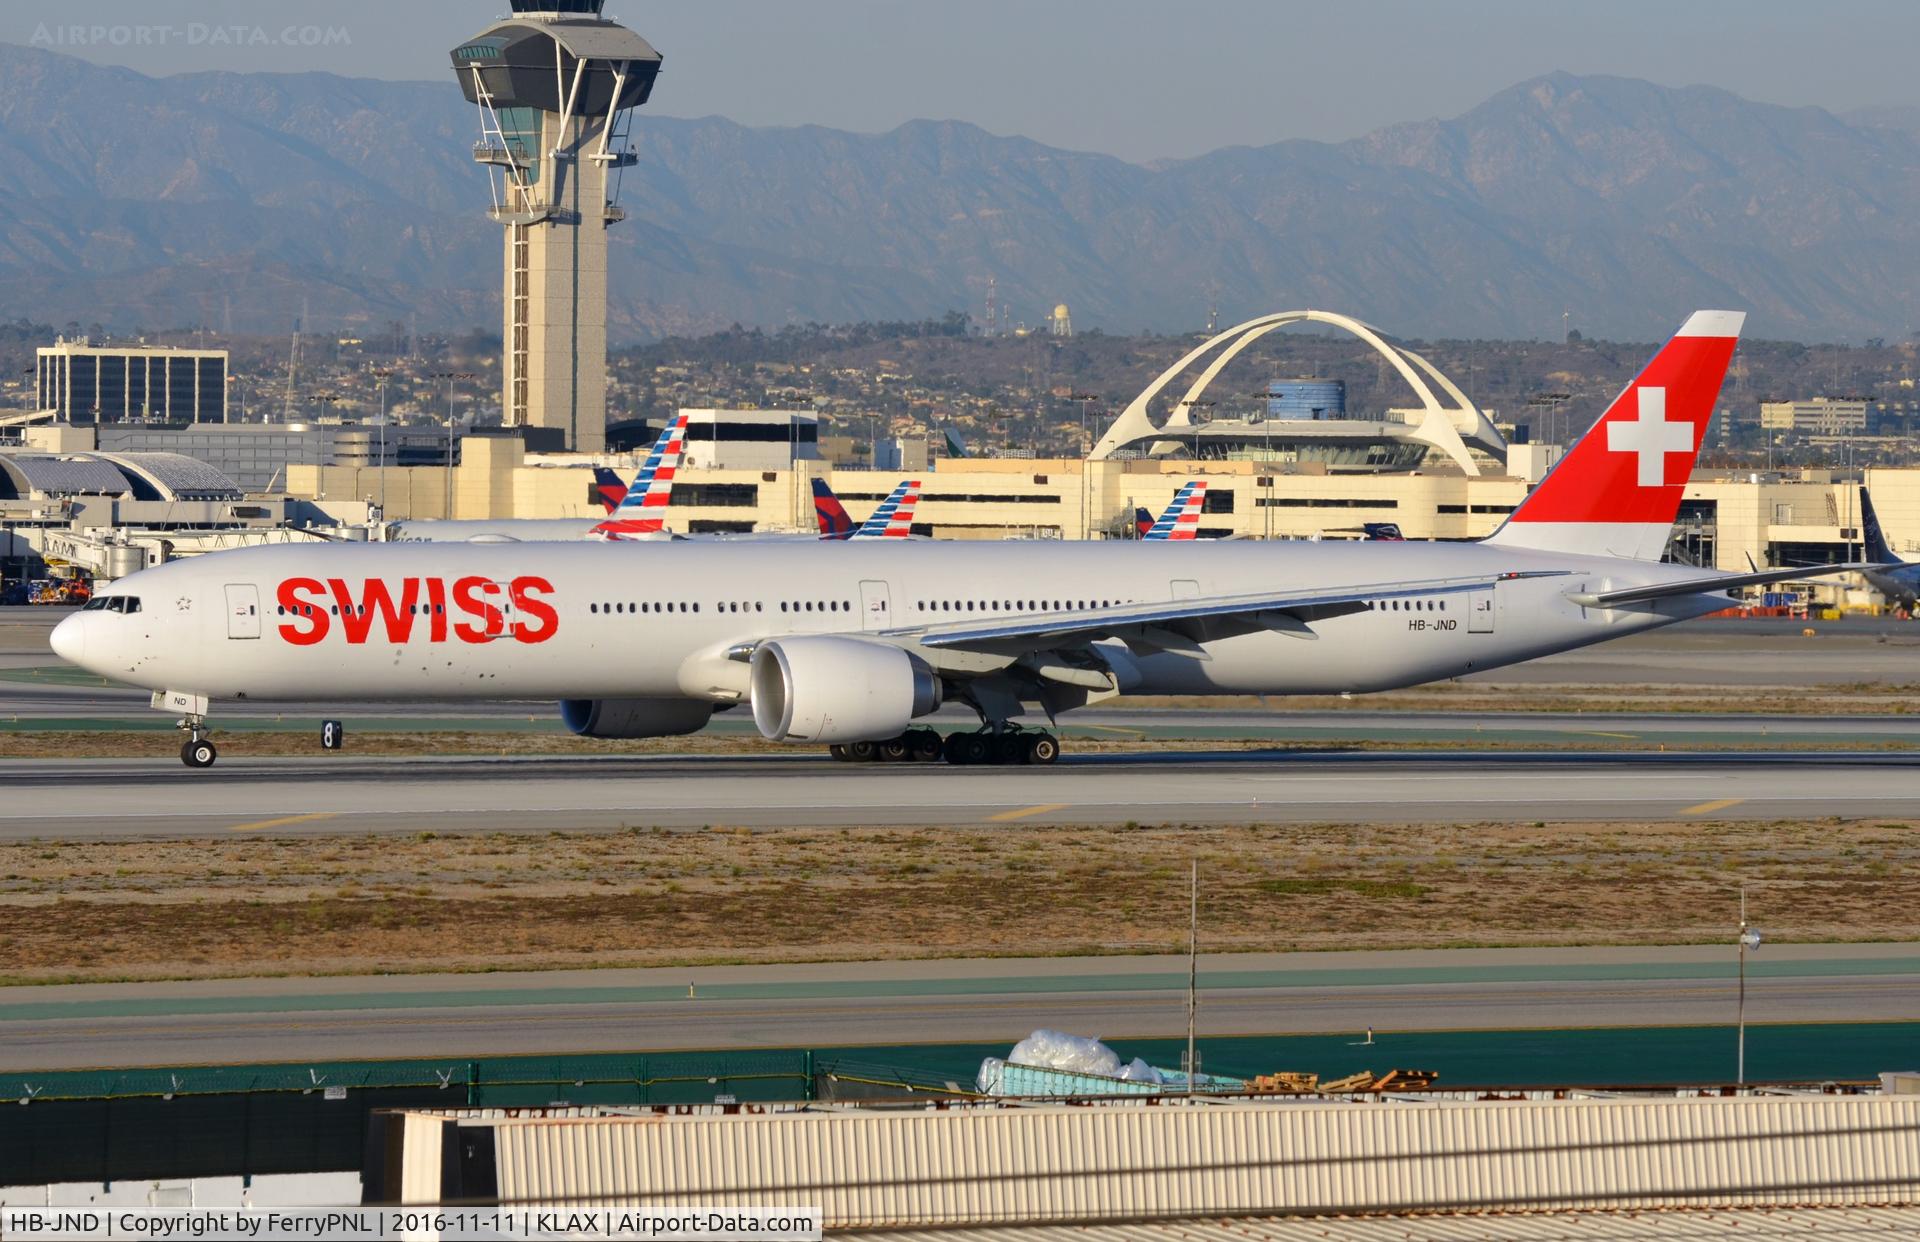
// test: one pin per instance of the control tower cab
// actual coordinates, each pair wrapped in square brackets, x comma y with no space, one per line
[555,85]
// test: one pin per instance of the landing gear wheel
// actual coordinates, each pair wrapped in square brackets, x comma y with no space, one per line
[1042,748]
[927,746]
[860,752]
[198,753]
[974,748]
[1009,749]
[895,749]
[839,753]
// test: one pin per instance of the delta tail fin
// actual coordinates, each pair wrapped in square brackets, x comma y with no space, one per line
[829,514]
[608,489]
[1618,489]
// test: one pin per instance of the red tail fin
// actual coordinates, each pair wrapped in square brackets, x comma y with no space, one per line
[1618,490]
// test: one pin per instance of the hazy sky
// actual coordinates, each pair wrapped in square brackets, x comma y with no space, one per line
[1137,79]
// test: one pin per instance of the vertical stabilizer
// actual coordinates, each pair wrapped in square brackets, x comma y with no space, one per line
[1617,491]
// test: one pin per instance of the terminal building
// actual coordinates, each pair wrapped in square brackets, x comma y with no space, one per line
[1820,416]
[1305,422]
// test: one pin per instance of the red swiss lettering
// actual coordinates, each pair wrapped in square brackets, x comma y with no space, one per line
[307,624]
[530,605]
[437,618]
[469,596]
[356,621]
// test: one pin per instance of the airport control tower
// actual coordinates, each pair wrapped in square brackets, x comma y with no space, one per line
[555,84]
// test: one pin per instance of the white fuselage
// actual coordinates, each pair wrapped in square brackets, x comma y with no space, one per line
[642,620]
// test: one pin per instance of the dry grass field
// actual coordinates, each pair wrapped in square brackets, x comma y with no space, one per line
[258,904]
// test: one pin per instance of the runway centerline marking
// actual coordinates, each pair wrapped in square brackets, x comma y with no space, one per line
[1023,812]
[1707,808]
[284,820]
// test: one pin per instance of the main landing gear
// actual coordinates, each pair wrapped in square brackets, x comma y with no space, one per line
[1012,745]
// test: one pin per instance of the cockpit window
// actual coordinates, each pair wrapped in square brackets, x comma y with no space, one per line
[112,603]
[96,603]
[129,603]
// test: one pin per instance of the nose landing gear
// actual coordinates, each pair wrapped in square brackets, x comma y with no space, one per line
[197,751]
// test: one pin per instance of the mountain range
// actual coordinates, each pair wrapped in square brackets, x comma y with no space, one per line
[1610,205]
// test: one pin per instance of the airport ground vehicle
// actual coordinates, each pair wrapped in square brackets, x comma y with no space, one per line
[848,645]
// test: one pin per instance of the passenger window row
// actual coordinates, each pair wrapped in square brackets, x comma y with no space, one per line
[360,610]
[652,606]
[1017,605]
[1408,605]
[725,606]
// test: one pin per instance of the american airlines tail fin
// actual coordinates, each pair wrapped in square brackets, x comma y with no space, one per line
[894,518]
[829,513]
[1874,539]
[1617,491]
[607,488]
[643,510]
[1181,520]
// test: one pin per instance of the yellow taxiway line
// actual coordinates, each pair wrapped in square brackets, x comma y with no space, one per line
[283,821]
[1023,812]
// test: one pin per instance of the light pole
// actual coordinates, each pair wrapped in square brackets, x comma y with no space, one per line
[1749,939]
[1086,461]
[383,374]
[450,377]
[1549,401]
[1193,971]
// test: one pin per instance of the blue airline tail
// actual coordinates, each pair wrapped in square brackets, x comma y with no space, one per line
[1874,539]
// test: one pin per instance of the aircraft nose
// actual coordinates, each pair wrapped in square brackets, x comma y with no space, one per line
[69,639]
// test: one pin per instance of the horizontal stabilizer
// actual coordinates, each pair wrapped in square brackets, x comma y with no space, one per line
[1702,586]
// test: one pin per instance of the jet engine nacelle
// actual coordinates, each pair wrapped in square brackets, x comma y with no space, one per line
[634,717]
[830,689]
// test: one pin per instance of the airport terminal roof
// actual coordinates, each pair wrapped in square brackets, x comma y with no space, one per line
[23,475]
[174,476]
[138,476]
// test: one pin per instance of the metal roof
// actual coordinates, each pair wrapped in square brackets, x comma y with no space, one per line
[1751,1225]
[63,474]
[142,476]
[176,476]
[592,40]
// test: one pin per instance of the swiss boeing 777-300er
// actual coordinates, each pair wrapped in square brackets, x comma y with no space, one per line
[849,644]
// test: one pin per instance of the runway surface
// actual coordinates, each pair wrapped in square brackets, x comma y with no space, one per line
[343,794]
[940,1002]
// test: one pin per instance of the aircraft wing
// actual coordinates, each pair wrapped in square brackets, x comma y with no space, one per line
[1701,586]
[1182,624]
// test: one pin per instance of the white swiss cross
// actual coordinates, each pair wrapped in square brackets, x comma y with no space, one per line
[1650,437]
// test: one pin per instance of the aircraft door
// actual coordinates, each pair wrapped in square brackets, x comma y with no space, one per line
[243,610]
[1480,611]
[876,606]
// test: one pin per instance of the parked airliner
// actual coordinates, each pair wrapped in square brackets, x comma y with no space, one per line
[849,644]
